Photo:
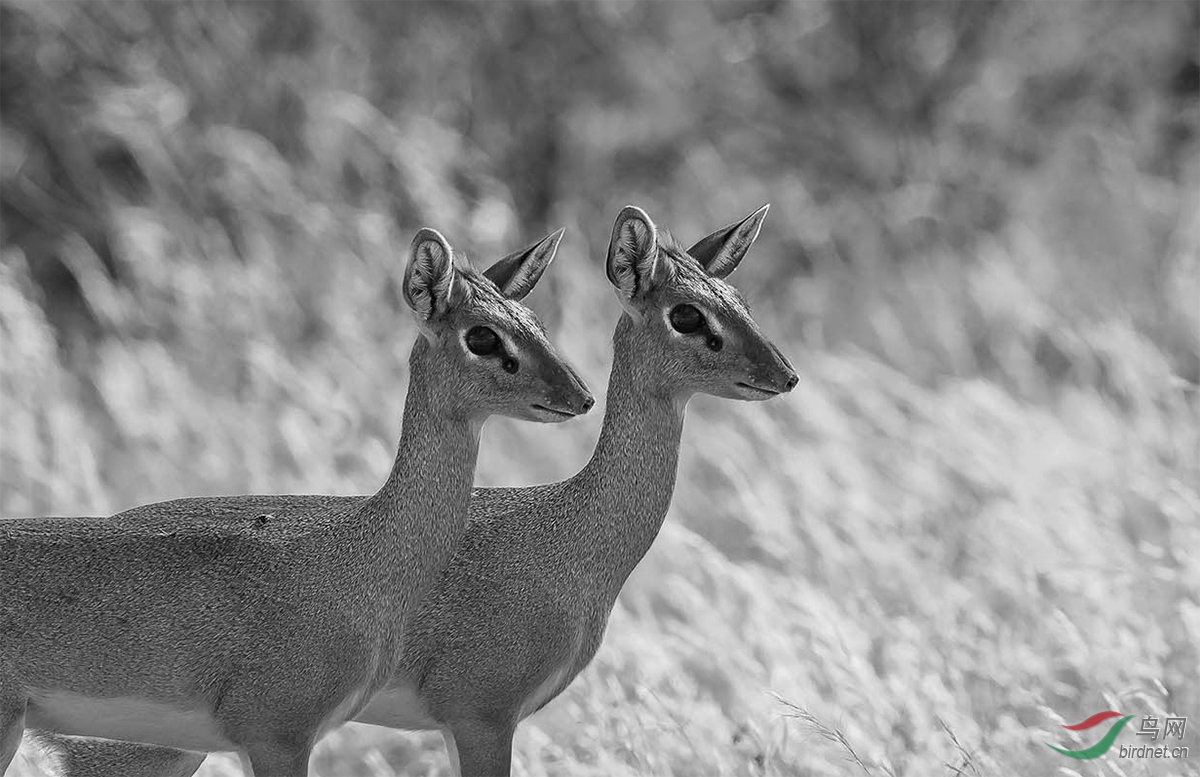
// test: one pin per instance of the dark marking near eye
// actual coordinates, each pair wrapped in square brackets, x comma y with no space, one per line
[686,319]
[482,341]
[714,343]
[510,366]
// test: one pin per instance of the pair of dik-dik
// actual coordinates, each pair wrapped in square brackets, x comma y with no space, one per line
[256,624]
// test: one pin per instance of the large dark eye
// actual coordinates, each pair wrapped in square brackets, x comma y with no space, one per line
[482,341]
[686,319]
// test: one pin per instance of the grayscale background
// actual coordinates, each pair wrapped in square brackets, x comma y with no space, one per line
[976,519]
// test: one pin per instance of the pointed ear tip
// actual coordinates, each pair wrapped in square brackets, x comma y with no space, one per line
[549,244]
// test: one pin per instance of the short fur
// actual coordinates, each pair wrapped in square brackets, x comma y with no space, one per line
[522,606]
[258,623]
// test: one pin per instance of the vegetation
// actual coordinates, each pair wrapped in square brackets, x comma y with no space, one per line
[975,519]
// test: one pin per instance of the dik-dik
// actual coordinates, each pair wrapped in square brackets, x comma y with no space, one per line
[208,625]
[522,607]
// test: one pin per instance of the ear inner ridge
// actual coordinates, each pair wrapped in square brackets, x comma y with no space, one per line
[633,253]
[429,276]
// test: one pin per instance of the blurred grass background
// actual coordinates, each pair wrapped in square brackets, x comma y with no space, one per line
[974,520]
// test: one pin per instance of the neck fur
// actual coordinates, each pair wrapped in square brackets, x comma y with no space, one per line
[626,488]
[421,511]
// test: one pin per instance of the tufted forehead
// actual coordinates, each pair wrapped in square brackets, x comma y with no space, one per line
[690,279]
[483,300]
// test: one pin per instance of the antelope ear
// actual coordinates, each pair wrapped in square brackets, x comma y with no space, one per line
[516,274]
[722,251]
[633,262]
[430,277]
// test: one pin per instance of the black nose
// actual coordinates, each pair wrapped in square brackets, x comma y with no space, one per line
[588,404]
[792,381]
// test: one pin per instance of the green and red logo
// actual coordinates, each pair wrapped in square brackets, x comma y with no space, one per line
[1101,747]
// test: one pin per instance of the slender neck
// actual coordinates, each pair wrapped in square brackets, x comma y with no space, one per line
[420,513]
[627,484]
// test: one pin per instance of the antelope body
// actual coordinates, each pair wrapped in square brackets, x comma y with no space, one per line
[522,606]
[256,624]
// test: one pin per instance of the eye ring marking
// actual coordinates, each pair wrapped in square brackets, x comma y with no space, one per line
[686,319]
[482,341]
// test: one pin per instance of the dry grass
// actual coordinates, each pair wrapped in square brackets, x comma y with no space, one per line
[976,517]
